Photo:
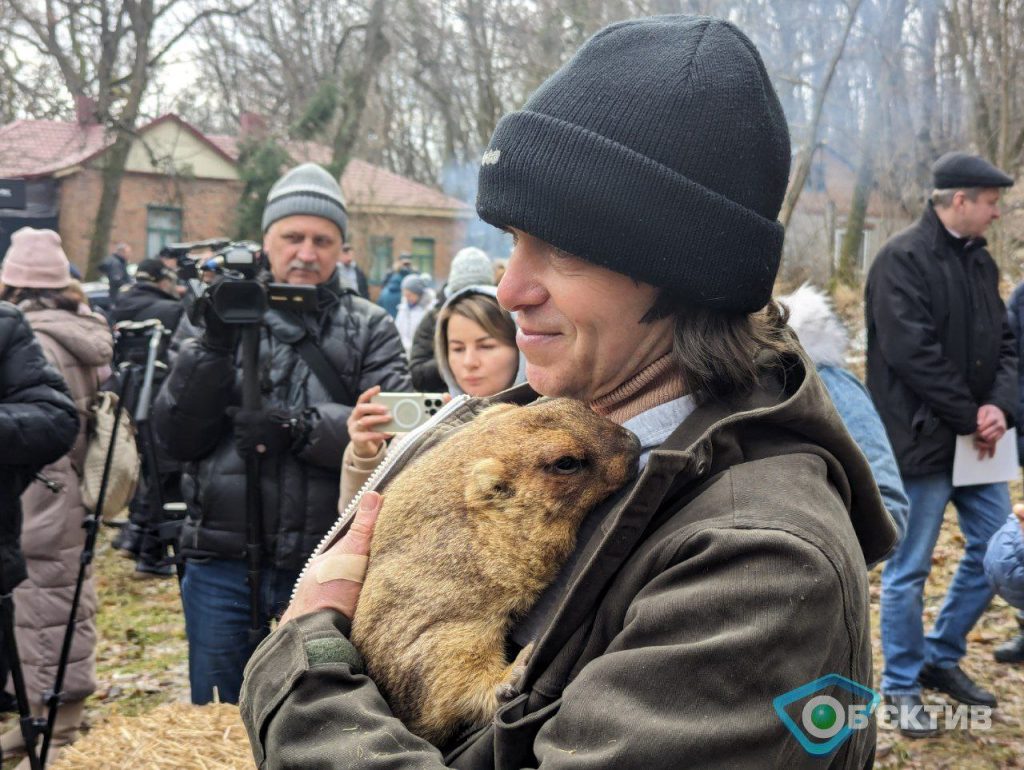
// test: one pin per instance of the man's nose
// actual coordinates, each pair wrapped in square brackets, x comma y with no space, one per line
[519,287]
[306,252]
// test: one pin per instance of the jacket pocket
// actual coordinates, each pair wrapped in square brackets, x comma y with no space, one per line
[515,732]
[924,421]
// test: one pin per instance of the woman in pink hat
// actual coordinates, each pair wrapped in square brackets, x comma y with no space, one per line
[36,277]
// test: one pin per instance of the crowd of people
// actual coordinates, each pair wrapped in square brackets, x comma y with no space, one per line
[733,569]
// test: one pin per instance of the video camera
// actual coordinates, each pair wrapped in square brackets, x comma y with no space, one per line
[241,290]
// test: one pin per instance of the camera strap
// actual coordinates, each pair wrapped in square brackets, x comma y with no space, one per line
[324,371]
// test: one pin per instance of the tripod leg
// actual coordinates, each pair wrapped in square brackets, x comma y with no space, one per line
[91,525]
[30,727]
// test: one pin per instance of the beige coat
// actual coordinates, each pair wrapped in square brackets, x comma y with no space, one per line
[77,345]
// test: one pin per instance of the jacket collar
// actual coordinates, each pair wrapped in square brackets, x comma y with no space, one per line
[943,241]
[792,401]
[151,288]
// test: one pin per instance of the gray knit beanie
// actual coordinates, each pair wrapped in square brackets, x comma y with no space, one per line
[307,189]
[415,283]
[470,267]
[659,151]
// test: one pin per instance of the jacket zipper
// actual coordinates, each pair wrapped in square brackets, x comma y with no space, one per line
[390,461]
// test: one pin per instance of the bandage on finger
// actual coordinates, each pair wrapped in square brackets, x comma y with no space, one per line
[341,566]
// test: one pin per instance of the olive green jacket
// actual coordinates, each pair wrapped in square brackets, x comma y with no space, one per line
[733,571]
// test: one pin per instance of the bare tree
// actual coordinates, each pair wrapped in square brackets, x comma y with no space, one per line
[106,52]
[805,156]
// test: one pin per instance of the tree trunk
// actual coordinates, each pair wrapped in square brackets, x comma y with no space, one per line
[353,97]
[114,161]
[853,238]
[806,155]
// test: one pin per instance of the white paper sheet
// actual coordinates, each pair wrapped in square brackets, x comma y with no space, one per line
[1003,466]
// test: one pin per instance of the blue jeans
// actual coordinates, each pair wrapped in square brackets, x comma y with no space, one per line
[981,510]
[215,595]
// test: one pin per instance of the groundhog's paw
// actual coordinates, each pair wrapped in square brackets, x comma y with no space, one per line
[513,683]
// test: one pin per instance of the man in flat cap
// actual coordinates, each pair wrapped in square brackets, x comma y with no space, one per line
[942,363]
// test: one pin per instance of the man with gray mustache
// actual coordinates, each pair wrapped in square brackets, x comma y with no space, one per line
[299,434]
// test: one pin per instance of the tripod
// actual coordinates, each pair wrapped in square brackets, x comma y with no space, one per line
[130,387]
[30,727]
[167,527]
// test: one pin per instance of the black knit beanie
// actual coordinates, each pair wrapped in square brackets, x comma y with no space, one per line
[660,151]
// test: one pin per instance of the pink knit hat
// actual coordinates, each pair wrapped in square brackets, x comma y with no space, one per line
[35,260]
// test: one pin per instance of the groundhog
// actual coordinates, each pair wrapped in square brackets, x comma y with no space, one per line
[468,537]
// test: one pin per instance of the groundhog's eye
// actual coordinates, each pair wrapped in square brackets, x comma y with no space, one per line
[566,465]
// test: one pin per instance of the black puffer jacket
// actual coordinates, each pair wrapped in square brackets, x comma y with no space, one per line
[939,345]
[300,489]
[426,376]
[144,301]
[38,425]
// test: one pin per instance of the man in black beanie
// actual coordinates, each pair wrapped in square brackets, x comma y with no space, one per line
[715,610]
[942,363]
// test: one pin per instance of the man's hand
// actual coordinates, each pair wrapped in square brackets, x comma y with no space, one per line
[1018,511]
[318,590]
[991,427]
[217,335]
[263,432]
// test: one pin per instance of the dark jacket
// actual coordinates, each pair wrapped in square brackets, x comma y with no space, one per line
[731,572]
[939,345]
[115,268]
[1015,317]
[299,489]
[426,377]
[38,425]
[145,300]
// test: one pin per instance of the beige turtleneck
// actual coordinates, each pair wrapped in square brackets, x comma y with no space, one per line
[656,384]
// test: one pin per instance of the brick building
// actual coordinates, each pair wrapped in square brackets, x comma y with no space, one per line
[180,184]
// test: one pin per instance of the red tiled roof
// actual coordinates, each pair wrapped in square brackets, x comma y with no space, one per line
[40,147]
[30,148]
[362,183]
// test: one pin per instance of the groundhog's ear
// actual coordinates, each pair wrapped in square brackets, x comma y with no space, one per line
[487,479]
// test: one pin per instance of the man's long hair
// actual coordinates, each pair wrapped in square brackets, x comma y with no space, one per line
[725,354]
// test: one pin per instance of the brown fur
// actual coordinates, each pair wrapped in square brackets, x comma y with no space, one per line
[469,536]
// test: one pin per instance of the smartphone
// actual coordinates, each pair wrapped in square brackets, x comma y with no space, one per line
[408,410]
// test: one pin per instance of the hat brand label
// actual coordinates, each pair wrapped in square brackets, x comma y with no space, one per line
[490,157]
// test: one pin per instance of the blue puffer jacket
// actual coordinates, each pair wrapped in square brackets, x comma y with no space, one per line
[1004,562]
[1015,314]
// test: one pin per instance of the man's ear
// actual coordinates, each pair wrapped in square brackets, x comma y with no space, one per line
[487,479]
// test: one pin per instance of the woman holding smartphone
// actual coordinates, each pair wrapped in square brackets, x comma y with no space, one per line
[477,355]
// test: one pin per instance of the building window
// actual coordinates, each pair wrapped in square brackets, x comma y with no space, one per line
[380,256]
[862,260]
[163,225]
[423,255]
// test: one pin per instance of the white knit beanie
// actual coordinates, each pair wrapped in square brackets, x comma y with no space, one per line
[470,267]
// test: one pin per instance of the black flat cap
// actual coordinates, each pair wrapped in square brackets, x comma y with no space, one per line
[955,170]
